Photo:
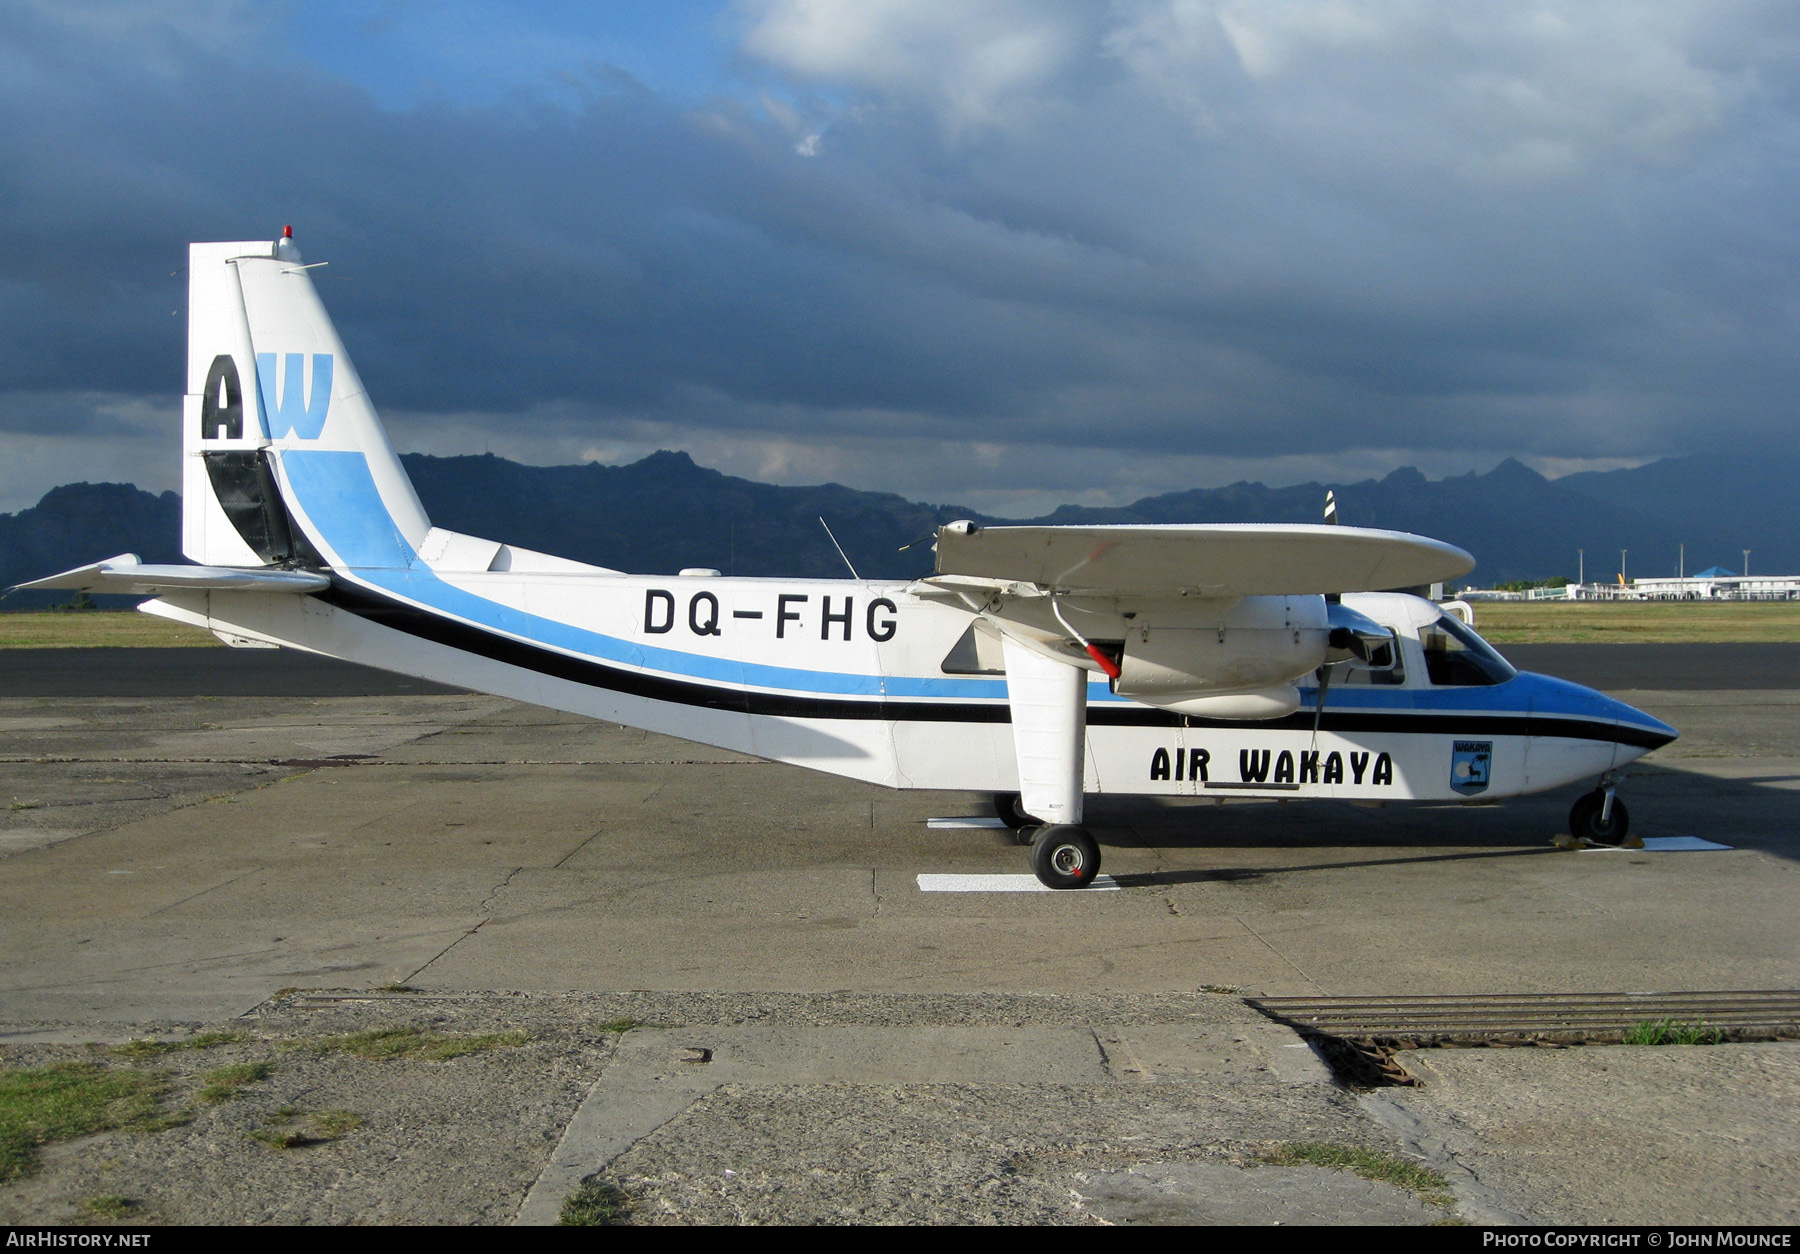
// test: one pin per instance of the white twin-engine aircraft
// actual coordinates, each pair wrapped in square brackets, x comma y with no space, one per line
[1038,663]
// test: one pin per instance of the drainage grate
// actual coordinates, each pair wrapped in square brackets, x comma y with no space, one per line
[1759,1014]
[1361,1038]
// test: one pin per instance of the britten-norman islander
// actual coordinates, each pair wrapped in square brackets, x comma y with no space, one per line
[1038,664]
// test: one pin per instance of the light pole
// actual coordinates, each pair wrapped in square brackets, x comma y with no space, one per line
[1681,570]
[1580,567]
[1746,563]
[1622,553]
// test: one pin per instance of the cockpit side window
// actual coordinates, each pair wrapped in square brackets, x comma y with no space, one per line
[1455,657]
[1386,665]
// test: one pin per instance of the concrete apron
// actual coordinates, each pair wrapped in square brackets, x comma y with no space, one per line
[659,1074]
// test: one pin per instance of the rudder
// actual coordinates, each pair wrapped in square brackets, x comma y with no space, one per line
[267,375]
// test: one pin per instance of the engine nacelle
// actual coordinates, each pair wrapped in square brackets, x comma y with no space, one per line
[1241,664]
[1258,703]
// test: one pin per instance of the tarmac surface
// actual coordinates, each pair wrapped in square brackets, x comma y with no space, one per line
[738,1006]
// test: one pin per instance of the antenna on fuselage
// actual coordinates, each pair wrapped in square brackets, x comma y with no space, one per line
[838,547]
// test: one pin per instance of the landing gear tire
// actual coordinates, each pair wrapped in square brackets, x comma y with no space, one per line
[1584,820]
[1064,856]
[1008,807]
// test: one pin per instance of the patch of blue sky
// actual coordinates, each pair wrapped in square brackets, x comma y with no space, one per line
[410,52]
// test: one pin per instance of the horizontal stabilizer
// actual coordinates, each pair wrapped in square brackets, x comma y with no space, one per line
[1239,559]
[126,575]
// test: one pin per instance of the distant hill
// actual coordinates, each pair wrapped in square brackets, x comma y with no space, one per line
[1721,504]
[84,522]
[1520,525]
[665,512]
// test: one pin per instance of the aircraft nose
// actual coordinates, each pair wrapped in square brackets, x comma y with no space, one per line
[1553,698]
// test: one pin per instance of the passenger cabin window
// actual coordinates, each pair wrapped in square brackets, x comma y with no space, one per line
[1455,657]
[1385,666]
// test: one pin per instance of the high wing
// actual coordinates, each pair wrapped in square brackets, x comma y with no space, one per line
[1213,621]
[126,575]
[1224,560]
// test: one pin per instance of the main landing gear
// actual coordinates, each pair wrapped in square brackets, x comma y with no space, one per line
[1600,816]
[1063,855]
[1009,810]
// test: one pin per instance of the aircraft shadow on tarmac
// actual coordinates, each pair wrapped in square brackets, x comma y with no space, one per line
[1168,879]
[1758,812]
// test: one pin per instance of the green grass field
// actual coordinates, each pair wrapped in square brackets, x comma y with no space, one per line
[1638,622]
[98,629]
[1503,622]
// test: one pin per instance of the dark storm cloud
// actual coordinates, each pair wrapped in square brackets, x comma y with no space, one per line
[1195,229]
[480,258]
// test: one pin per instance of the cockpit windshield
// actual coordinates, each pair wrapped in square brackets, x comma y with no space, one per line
[1456,657]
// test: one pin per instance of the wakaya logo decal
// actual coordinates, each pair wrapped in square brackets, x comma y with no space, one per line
[1471,761]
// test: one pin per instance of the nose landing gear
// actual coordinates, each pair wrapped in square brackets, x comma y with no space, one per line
[1600,816]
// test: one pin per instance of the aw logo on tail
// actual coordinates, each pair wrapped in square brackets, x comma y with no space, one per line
[301,410]
[295,413]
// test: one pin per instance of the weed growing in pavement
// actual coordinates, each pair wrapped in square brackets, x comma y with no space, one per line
[623,1024]
[595,1204]
[149,1049]
[42,1105]
[380,1044]
[1430,1185]
[1670,1032]
[334,1123]
[222,1083]
[108,1206]
[281,1138]
[280,1132]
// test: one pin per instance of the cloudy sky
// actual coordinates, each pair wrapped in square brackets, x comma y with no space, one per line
[1003,254]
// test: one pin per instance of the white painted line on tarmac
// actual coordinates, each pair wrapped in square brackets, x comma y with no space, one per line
[1663,844]
[973,820]
[1004,884]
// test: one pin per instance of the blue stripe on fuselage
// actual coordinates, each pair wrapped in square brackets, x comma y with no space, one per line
[340,499]
[1527,693]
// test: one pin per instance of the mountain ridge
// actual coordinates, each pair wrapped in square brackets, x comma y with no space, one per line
[666,511]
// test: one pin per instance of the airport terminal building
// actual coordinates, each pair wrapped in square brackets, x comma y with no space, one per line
[1714,585]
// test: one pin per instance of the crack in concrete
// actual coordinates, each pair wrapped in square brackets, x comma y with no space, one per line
[214,888]
[558,864]
[1474,1197]
[1259,936]
[480,908]
[497,890]
[411,976]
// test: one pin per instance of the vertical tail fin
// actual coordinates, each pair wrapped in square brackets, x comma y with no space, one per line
[267,378]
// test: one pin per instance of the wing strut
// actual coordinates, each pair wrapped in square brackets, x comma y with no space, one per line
[1049,721]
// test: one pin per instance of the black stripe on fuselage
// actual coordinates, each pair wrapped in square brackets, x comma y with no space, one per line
[422,624]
